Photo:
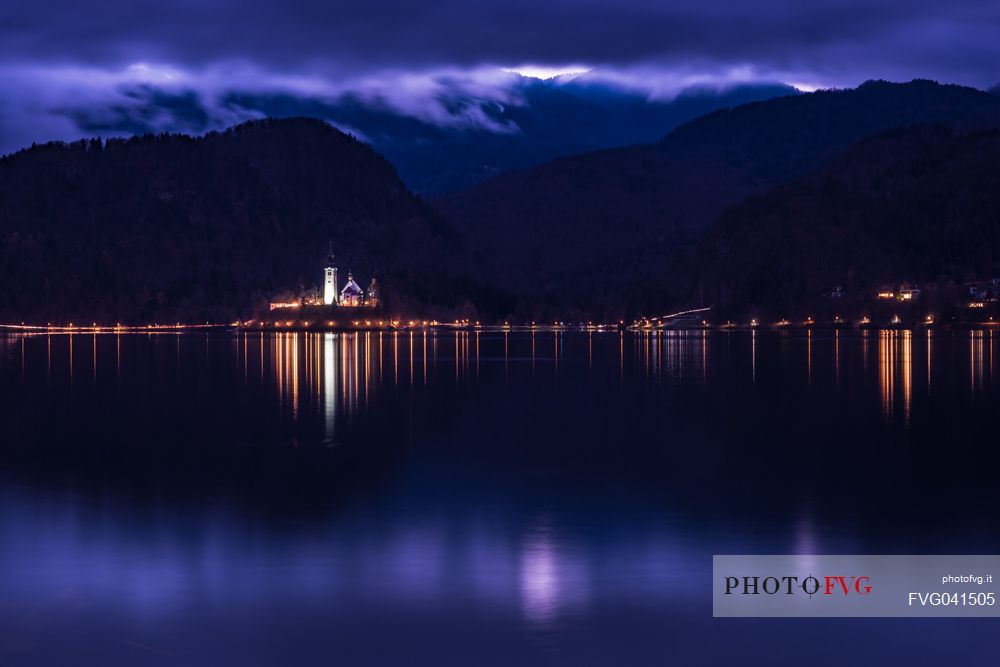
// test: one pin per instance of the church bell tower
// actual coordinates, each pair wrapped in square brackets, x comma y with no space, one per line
[330,280]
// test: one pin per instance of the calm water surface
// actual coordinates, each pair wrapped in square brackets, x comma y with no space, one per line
[477,499]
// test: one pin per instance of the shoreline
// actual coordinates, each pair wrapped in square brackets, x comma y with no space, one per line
[437,327]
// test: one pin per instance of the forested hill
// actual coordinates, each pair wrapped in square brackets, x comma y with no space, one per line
[919,205]
[600,229]
[165,227]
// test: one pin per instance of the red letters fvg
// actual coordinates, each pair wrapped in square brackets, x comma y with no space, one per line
[846,585]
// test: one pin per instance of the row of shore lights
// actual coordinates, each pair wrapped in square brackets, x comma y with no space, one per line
[423,323]
[117,327]
[646,323]
[333,323]
[290,323]
[809,321]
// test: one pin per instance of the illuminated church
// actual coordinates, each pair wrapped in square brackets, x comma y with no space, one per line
[350,295]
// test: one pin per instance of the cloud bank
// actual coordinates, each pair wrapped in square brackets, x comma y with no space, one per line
[123,66]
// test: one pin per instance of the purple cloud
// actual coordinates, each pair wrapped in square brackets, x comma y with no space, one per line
[69,69]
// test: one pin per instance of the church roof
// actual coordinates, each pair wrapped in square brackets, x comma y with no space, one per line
[351,287]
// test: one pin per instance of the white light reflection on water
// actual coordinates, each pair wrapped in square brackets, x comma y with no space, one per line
[329,386]
[552,582]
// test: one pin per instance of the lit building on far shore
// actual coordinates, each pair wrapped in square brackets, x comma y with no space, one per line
[905,292]
[908,292]
[885,292]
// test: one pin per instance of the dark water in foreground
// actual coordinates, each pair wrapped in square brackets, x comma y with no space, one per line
[464,499]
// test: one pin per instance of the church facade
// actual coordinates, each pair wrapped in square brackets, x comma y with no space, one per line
[350,295]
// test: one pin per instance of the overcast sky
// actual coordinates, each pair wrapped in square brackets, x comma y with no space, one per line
[58,56]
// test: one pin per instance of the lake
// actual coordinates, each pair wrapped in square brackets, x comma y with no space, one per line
[490,498]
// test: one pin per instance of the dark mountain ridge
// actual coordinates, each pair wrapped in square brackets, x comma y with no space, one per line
[918,205]
[600,230]
[172,227]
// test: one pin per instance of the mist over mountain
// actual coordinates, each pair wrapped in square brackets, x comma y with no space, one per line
[549,119]
[444,135]
[602,229]
[918,205]
[160,227]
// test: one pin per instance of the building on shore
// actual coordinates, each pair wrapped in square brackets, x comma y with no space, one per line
[904,292]
[885,292]
[908,292]
[352,295]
